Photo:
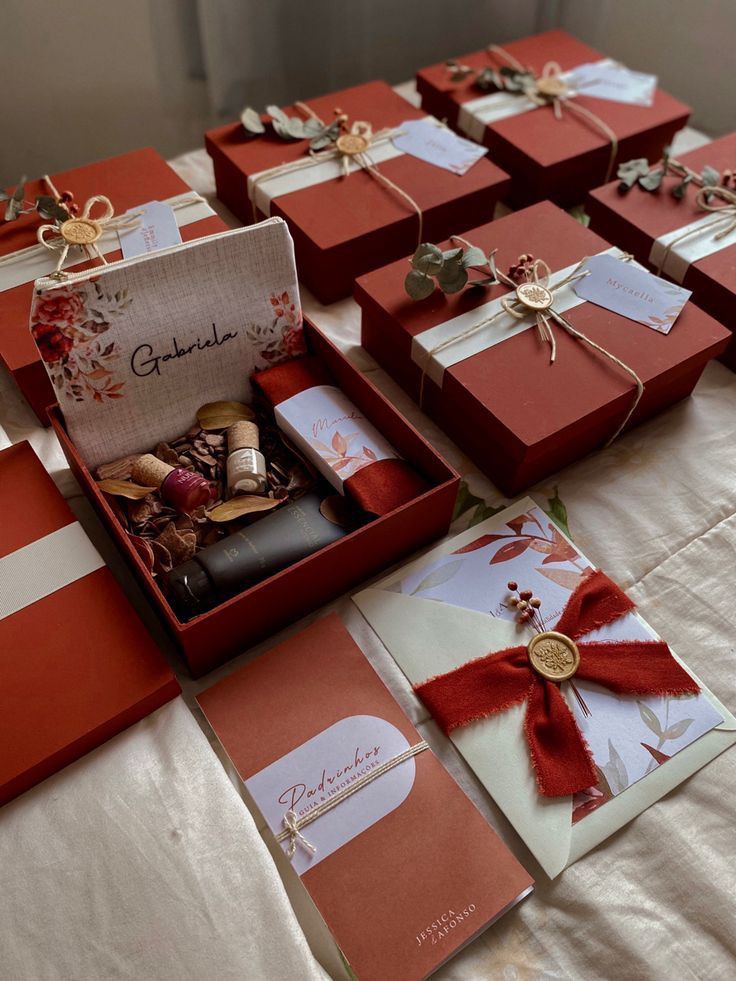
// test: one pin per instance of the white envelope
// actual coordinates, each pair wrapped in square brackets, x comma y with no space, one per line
[427,638]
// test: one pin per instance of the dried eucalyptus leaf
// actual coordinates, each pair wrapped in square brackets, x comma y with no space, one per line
[486,80]
[678,191]
[451,278]
[453,255]
[630,171]
[252,122]
[14,206]
[417,285]
[474,257]
[651,181]
[50,209]
[337,510]
[427,259]
[124,488]
[276,114]
[220,415]
[236,507]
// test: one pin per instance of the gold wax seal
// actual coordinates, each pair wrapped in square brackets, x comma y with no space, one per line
[552,87]
[80,231]
[553,655]
[351,143]
[534,296]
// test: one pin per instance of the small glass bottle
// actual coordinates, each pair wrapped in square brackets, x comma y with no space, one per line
[179,487]
[246,467]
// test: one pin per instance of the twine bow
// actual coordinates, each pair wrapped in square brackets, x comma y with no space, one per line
[550,88]
[291,824]
[494,683]
[82,230]
[351,145]
[535,297]
[723,222]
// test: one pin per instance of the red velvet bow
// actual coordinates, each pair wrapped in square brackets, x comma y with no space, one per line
[493,683]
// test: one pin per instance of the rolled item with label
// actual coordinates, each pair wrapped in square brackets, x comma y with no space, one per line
[334,435]
[250,555]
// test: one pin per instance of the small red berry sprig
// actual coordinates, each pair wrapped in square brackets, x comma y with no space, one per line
[527,606]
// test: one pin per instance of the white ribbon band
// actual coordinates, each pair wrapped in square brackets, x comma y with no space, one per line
[478,113]
[701,241]
[45,566]
[434,363]
[33,262]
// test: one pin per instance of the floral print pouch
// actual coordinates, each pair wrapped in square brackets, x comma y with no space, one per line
[134,347]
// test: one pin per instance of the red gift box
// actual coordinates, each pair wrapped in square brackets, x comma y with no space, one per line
[128,181]
[213,637]
[518,416]
[78,664]
[549,157]
[345,226]
[636,219]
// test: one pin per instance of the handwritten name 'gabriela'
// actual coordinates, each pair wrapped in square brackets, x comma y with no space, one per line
[299,791]
[144,362]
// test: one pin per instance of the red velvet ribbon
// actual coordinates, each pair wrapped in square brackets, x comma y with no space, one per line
[377,488]
[561,758]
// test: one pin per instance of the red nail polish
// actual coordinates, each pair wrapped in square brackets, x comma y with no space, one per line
[179,487]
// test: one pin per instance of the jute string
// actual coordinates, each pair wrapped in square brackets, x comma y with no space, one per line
[363,159]
[293,824]
[723,221]
[550,89]
[538,274]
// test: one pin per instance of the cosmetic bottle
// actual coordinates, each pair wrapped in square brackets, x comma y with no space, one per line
[179,487]
[246,557]
[246,467]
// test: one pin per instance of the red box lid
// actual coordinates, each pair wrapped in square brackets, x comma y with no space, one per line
[538,139]
[78,664]
[357,216]
[128,180]
[510,395]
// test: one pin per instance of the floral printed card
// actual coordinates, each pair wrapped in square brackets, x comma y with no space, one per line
[628,736]
[451,609]
[135,347]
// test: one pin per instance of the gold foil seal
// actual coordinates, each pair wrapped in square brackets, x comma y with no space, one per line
[553,655]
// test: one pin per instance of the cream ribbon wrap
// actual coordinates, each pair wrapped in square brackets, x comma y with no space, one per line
[31,263]
[438,348]
[293,824]
[478,113]
[674,252]
[42,567]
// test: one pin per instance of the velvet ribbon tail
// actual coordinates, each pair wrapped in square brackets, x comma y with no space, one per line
[597,601]
[560,756]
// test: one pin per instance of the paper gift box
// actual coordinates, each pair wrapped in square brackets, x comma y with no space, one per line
[190,325]
[648,223]
[517,415]
[78,664]
[128,181]
[386,839]
[344,226]
[548,157]
[642,730]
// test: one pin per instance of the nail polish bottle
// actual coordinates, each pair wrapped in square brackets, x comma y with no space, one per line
[179,487]
[246,467]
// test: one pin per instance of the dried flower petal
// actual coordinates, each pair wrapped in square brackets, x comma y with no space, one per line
[236,507]
[220,415]
[124,488]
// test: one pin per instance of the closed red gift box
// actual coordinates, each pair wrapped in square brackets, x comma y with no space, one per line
[213,637]
[637,219]
[78,664]
[553,158]
[128,181]
[347,225]
[519,417]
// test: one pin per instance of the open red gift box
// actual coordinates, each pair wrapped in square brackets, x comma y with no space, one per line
[344,226]
[213,637]
[550,157]
[636,220]
[517,415]
[78,665]
[128,181]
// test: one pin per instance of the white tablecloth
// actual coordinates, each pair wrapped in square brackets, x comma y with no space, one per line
[141,861]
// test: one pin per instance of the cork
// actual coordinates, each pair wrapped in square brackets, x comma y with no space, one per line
[149,471]
[242,435]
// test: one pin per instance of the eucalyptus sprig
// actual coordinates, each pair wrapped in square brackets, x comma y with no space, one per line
[640,172]
[505,79]
[46,205]
[290,127]
[431,266]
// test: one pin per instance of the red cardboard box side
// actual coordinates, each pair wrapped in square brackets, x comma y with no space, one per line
[78,665]
[212,638]
[128,180]
[332,679]
[549,157]
[345,227]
